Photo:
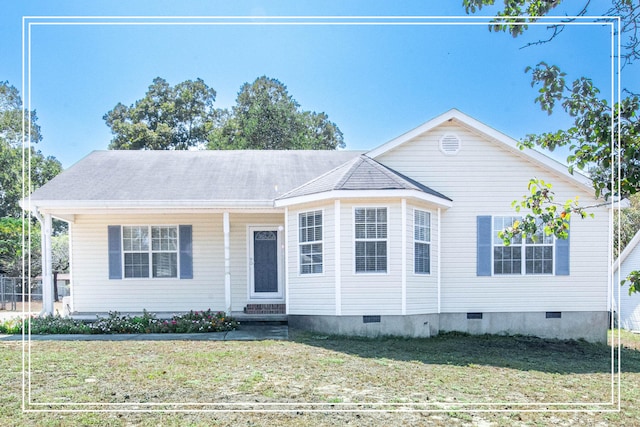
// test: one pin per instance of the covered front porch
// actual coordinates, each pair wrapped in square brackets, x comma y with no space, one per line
[224,260]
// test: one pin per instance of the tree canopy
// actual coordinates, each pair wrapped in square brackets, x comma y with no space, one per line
[11,118]
[43,168]
[166,118]
[266,117]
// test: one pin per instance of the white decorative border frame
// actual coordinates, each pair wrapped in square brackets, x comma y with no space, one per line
[614,405]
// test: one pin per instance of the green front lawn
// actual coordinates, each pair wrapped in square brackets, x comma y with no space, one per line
[449,372]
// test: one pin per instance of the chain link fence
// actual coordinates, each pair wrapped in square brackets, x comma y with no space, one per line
[15,291]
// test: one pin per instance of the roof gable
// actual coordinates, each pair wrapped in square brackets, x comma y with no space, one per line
[631,246]
[490,134]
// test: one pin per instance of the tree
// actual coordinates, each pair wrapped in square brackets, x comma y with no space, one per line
[60,259]
[11,254]
[43,168]
[167,118]
[595,122]
[11,118]
[11,163]
[266,117]
[517,13]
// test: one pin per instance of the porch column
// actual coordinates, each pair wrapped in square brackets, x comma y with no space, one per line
[47,266]
[439,258]
[286,260]
[227,263]
[338,258]
[403,255]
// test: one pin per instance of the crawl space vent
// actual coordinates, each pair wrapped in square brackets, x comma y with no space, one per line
[450,144]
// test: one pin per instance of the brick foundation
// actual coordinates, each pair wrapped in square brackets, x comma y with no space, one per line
[265,309]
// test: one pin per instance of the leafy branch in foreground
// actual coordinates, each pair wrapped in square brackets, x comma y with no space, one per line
[597,126]
[551,216]
[634,281]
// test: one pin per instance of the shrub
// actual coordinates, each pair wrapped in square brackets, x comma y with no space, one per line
[115,323]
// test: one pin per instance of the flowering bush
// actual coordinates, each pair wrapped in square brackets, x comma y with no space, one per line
[115,323]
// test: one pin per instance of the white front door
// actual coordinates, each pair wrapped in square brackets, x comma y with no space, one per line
[265,272]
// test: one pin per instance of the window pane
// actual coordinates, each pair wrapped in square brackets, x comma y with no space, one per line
[371,231]
[165,265]
[136,265]
[422,226]
[164,239]
[311,258]
[135,238]
[382,231]
[422,262]
[370,215]
[507,260]
[381,264]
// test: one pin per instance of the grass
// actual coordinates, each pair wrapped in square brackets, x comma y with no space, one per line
[334,371]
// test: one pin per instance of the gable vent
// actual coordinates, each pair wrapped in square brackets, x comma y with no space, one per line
[450,144]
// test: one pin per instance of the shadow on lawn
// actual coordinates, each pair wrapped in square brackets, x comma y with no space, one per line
[515,352]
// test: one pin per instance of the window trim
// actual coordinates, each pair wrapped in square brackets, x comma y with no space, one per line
[523,245]
[429,243]
[321,242]
[150,252]
[354,239]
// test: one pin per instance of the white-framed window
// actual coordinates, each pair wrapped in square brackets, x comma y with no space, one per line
[150,251]
[370,240]
[310,239]
[422,242]
[522,256]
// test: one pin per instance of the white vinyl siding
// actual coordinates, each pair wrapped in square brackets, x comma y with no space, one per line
[94,292]
[374,294]
[310,242]
[627,306]
[422,289]
[312,293]
[477,188]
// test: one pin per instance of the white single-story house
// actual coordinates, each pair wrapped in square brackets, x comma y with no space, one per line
[627,306]
[399,240]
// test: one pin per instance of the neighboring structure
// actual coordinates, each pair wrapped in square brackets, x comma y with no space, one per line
[627,306]
[398,240]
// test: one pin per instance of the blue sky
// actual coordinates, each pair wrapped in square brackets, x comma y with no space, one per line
[374,81]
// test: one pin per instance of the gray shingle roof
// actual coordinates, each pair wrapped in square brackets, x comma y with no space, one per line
[361,173]
[189,175]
